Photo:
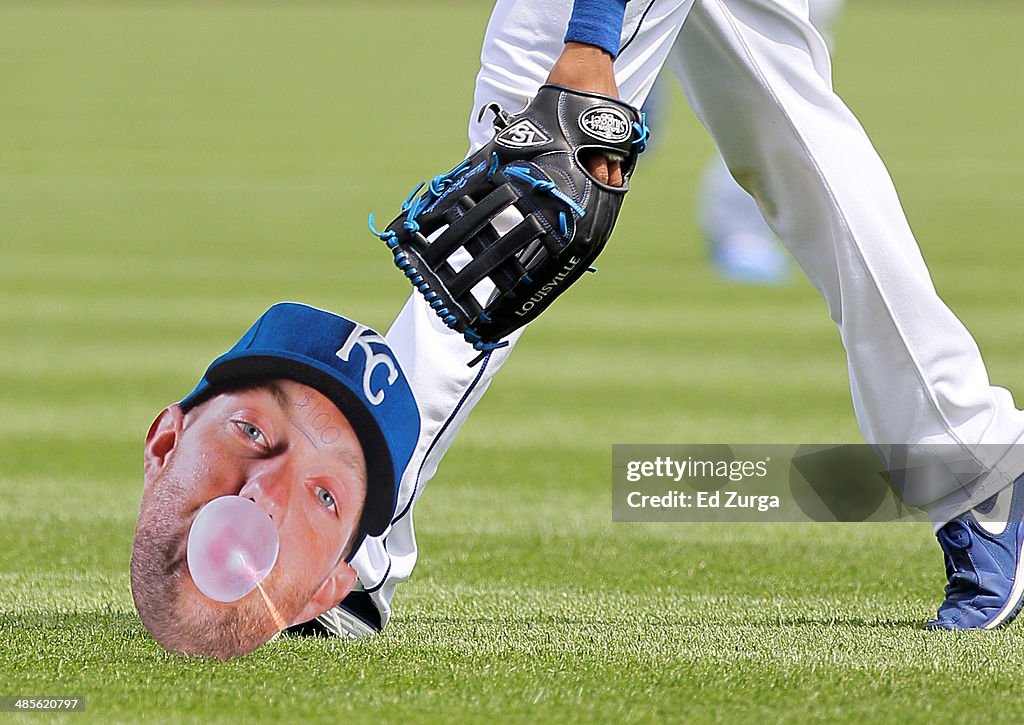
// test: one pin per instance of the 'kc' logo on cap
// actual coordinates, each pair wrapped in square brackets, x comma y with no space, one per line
[363,336]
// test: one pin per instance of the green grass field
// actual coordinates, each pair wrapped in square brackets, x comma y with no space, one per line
[167,170]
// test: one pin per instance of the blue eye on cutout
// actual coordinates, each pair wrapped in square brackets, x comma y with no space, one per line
[324,496]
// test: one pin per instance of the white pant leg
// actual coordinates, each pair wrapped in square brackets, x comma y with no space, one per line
[436,362]
[522,41]
[824,14]
[725,210]
[757,74]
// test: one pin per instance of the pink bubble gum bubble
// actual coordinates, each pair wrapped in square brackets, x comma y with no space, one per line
[232,546]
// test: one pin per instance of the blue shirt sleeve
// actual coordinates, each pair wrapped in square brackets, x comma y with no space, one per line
[598,23]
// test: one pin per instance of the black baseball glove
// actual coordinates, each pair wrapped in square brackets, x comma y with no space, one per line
[494,241]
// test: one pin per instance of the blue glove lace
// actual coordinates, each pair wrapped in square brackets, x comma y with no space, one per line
[643,133]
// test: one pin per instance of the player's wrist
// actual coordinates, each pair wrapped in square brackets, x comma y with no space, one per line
[585,67]
[588,51]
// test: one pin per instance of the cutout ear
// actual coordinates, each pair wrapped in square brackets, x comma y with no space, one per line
[333,590]
[161,440]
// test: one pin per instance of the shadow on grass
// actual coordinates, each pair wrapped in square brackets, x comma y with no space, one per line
[660,621]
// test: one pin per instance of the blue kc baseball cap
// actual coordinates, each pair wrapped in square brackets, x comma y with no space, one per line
[352,366]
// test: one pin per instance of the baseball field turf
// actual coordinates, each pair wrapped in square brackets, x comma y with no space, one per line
[168,170]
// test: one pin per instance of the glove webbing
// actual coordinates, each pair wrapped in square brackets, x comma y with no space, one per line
[494,257]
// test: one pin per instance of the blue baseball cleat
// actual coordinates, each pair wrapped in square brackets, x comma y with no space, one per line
[984,563]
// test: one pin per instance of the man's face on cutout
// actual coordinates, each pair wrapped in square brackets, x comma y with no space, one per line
[288,448]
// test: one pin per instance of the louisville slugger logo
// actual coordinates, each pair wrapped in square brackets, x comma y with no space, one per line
[606,123]
[522,134]
[361,337]
[548,287]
